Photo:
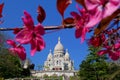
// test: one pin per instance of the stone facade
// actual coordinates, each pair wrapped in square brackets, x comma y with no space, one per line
[58,63]
[53,73]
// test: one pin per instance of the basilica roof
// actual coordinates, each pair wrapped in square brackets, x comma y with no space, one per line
[59,46]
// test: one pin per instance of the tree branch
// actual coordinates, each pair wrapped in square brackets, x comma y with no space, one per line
[45,28]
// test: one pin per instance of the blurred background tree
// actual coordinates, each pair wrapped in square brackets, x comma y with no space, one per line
[10,66]
[96,67]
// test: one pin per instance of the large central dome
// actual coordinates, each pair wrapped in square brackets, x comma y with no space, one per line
[59,46]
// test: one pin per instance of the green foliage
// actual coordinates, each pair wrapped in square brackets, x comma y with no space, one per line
[94,67]
[114,71]
[1,78]
[10,66]
[54,77]
[74,78]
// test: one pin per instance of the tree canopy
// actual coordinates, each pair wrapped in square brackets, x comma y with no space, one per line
[10,65]
[93,67]
[98,68]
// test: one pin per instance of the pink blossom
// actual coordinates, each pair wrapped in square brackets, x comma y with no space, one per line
[112,55]
[113,51]
[31,34]
[102,8]
[96,11]
[81,22]
[17,49]
[117,46]
[97,41]
[99,9]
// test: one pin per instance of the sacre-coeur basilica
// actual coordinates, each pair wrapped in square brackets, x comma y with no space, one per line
[58,63]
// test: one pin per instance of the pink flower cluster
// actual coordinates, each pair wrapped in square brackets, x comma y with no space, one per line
[92,13]
[97,41]
[112,50]
[95,12]
[17,49]
[31,34]
[109,43]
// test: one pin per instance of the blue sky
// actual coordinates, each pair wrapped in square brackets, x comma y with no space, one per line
[13,11]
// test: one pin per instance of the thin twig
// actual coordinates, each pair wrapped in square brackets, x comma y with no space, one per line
[46,27]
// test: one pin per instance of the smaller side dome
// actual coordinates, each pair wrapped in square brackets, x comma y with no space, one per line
[50,54]
[67,54]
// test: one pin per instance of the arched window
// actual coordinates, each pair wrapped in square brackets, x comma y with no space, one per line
[57,62]
[60,68]
[65,66]
[53,68]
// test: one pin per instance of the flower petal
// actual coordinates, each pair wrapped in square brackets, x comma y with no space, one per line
[78,32]
[91,4]
[102,52]
[28,22]
[75,15]
[40,43]
[18,51]
[24,36]
[33,47]
[39,30]
[21,52]
[11,42]
[111,7]
[12,50]
[117,46]
[114,56]
[84,31]
[95,17]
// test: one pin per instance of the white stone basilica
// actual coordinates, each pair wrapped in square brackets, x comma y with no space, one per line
[60,60]
[58,63]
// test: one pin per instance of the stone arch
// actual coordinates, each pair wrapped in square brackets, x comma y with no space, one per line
[57,62]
